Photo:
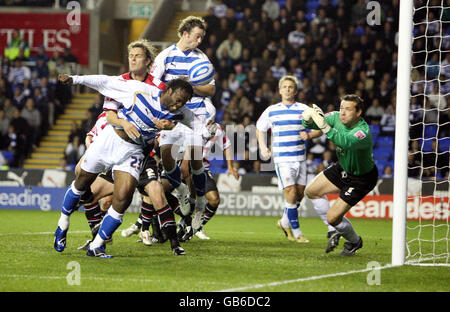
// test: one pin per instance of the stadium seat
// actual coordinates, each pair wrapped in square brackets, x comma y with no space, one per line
[375,130]
[380,166]
[311,6]
[426,145]
[281,3]
[430,131]
[9,156]
[219,115]
[444,144]
[382,154]
[385,141]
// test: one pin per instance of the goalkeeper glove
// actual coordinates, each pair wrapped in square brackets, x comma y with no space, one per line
[307,115]
[319,119]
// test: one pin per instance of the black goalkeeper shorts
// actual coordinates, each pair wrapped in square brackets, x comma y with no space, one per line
[353,188]
[150,172]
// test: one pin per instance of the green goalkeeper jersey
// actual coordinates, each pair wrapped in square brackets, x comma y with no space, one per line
[353,145]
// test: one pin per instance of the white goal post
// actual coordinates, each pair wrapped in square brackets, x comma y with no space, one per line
[423,84]
[402,132]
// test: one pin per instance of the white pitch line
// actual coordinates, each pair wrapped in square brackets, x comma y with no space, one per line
[110,279]
[42,233]
[305,279]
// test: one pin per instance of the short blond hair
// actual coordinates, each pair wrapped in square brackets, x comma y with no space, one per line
[190,23]
[288,77]
[145,45]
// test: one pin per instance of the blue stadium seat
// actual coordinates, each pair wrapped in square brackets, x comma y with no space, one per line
[311,6]
[281,3]
[382,153]
[375,130]
[444,144]
[217,167]
[9,156]
[380,166]
[385,141]
[219,115]
[426,145]
[430,131]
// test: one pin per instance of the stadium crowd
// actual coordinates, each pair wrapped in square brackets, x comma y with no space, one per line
[30,97]
[329,45]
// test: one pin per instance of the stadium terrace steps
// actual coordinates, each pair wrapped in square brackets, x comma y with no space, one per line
[171,34]
[51,148]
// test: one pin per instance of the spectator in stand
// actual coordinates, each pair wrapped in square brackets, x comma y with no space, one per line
[9,109]
[311,167]
[33,117]
[233,110]
[388,172]
[437,100]
[278,70]
[69,57]
[40,55]
[212,22]
[22,131]
[220,8]
[17,44]
[232,45]
[42,68]
[374,112]
[387,122]
[233,83]
[13,146]
[296,38]
[4,124]
[272,8]
[19,97]
[74,150]
[75,130]
[18,73]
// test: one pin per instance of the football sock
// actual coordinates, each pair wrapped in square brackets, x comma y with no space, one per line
[292,214]
[321,206]
[147,212]
[167,222]
[138,222]
[93,214]
[285,220]
[70,201]
[346,229]
[210,211]
[110,223]
[173,203]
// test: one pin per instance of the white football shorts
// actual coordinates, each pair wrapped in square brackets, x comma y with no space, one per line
[291,173]
[109,151]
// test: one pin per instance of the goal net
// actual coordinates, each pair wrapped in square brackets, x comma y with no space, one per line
[428,197]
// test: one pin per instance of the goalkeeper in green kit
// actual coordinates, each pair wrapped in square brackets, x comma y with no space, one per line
[353,176]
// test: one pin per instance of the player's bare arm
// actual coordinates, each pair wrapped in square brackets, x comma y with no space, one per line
[229,158]
[265,151]
[128,127]
[163,124]
[310,135]
[207,90]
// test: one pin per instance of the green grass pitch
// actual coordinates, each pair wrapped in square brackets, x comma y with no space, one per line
[247,254]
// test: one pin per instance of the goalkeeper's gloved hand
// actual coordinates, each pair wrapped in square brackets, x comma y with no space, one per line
[307,115]
[318,117]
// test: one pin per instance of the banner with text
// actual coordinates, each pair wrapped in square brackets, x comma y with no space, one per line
[56,31]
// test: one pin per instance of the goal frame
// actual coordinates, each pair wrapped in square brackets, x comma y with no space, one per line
[405,41]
